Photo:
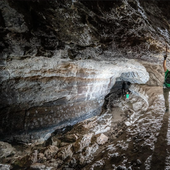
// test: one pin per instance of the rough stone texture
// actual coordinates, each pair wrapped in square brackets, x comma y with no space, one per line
[65,152]
[34,156]
[6,150]
[55,141]
[156,74]
[39,166]
[90,151]
[102,139]
[69,138]
[82,143]
[51,151]
[5,167]
[59,59]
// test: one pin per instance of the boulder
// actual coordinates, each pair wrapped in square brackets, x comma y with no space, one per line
[91,150]
[55,163]
[51,152]
[55,141]
[102,139]
[41,157]
[34,156]
[137,106]
[5,167]
[39,166]
[80,144]
[6,149]
[62,144]
[65,152]
[81,159]
[69,138]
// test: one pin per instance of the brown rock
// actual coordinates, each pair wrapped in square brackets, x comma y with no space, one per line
[91,150]
[55,141]
[102,139]
[92,122]
[81,159]
[65,152]
[62,144]
[5,167]
[39,166]
[41,157]
[6,149]
[34,156]
[80,144]
[70,138]
[51,152]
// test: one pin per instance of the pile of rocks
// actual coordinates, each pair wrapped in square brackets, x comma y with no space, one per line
[64,150]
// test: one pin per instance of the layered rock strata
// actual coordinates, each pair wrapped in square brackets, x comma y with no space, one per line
[128,128]
[54,91]
[60,58]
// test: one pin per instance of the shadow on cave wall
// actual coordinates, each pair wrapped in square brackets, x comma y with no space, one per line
[119,89]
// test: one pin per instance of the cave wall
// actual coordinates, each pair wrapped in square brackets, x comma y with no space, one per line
[60,58]
[47,93]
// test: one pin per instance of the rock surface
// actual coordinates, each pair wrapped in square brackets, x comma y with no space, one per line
[59,64]
[59,59]
[6,150]
[102,139]
[134,141]
[5,167]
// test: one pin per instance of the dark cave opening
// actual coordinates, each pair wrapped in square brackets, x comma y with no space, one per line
[119,90]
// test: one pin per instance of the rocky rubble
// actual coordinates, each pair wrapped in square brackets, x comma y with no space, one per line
[78,151]
[6,150]
[5,166]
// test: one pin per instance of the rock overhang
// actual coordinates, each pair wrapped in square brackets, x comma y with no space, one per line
[72,56]
[52,91]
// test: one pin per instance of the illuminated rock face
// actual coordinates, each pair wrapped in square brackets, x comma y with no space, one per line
[51,91]
[60,59]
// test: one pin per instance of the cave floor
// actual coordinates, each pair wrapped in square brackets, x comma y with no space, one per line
[144,142]
[136,136]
